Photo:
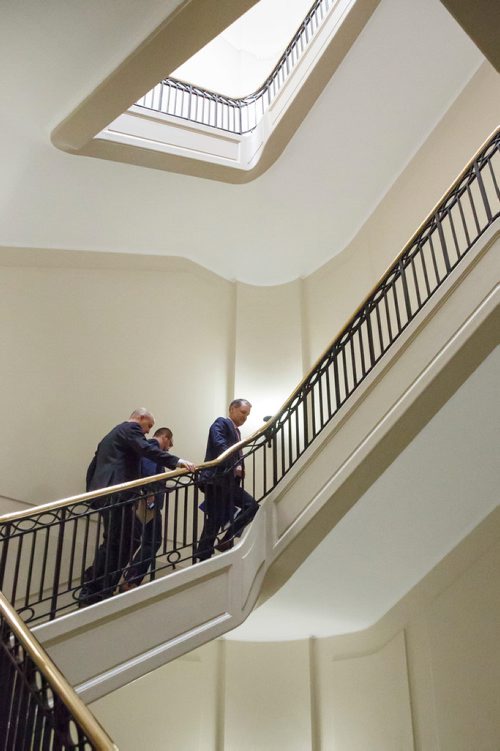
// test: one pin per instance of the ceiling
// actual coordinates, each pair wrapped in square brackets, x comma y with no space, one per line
[439,488]
[400,77]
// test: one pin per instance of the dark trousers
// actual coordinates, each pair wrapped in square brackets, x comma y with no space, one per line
[147,539]
[113,553]
[225,502]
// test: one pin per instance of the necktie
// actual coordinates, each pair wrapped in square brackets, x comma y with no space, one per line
[239,468]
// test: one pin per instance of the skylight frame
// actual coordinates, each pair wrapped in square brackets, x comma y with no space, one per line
[236,115]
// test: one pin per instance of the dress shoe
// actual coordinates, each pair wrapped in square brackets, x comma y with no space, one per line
[127,586]
[87,597]
[224,545]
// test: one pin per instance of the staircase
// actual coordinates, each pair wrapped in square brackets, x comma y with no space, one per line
[432,319]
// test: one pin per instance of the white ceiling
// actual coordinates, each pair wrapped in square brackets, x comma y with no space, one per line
[441,486]
[402,74]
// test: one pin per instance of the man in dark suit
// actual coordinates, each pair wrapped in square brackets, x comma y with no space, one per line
[226,501]
[148,522]
[117,460]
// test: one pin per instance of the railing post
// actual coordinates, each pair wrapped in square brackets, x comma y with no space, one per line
[305,415]
[482,190]
[275,458]
[5,549]
[57,565]
[406,293]
[370,336]
[443,242]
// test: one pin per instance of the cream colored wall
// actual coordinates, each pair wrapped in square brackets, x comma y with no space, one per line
[82,346]
[425,677]
[175,707]
[268,346]
[88,338]
[364,701]
[267,697]
[334,291]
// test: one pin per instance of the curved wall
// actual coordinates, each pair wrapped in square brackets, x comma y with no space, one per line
[334,291]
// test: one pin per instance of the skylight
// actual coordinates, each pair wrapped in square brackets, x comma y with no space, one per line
[239,60]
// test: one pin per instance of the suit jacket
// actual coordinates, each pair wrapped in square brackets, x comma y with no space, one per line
[118,455]
[149,468]
[222,435]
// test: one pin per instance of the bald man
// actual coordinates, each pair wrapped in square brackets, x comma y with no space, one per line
[117,460]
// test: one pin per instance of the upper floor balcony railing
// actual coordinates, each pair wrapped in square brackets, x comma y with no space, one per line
[237,115]
[46,553]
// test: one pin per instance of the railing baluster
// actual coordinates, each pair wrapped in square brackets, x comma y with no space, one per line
[177,533]
[454,234]
[184,520]
[275,458]
[6,535]
[494,179]
[369,331]
[312,399]
[380,332]
[388,319]
[328,392]
[74,541]
[444,247]
[353,363]
[424,268]
[344,368]
[361,350]
[305,417]
[336,379]
[473,208]
[17,567]
[434,260]
[264,468]
[396,306]
[406,294]
[30,569]
[57,564]
[290,439]
[282,446]
[297,430]
[480,183]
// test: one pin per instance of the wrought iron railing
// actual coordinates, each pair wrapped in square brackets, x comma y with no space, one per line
[46,553]
[38,708]
[236,115]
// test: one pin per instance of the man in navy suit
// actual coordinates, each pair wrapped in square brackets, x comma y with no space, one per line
[226,501]
[117,460]
[148,520]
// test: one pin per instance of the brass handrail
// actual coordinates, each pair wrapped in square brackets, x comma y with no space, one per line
[84,497]
[79,711]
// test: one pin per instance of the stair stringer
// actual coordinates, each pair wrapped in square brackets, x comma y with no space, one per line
[107,645]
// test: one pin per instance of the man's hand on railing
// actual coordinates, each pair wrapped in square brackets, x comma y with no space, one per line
[186,464]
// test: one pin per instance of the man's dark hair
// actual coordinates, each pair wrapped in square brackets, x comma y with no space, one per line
[163,431]
[239,403]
